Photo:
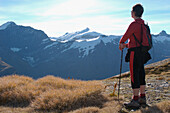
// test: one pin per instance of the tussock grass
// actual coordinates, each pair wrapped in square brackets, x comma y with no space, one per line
[65,95]
[55,82]
[111,106]
[11,92]
[49,93]
[87,110]
[158,69]
[64,100]
[162,107]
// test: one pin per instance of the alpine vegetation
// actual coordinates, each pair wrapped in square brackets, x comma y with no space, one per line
[49,93]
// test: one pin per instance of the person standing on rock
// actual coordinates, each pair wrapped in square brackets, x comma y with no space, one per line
[136,65]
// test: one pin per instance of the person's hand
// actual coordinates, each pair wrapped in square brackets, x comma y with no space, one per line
[122,46]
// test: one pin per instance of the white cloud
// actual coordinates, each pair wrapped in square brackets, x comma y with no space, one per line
[1,9]
[56,18]
[80,7]
[103,24]
[71,8]
[159,22]
[3,17]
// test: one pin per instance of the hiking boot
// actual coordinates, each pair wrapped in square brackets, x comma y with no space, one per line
[133,104]
[142,100]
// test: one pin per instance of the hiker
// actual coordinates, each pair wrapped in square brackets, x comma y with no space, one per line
[136,64]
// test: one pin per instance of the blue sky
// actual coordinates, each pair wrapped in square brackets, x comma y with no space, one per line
[57,17]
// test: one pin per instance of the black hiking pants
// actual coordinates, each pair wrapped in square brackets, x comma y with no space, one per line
[137,71]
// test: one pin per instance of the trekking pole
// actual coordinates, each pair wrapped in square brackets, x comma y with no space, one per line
[120,73]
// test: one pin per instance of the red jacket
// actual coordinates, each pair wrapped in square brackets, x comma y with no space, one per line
[135,27]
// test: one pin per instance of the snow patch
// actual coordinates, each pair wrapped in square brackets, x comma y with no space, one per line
[15,49]
[44,40]
[84,46]
[87,45]
[79,40]
[53,39]
[54,43]
[4,26]
[69,36]
[161,38]
[93,39]
[29,59]
[109,39]
[64,41]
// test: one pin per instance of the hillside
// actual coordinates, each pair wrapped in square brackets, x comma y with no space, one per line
[157,85]
[6,69]
[57,95]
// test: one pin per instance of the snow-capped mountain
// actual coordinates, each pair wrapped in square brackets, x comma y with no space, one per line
[161,37]
[83,54]
[84,40]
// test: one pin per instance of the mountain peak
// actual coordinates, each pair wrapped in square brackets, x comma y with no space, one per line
[84,30]
[5,25]
[163,33]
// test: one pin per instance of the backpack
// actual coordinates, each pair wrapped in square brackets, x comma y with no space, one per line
[149,39]
[144,49]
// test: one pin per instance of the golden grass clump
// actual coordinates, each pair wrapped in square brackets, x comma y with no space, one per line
[10,82]
[49,93]
[162,107]
[111,106]
[55,82]
[11,92]
[158,69]
[63,99]
[87,110]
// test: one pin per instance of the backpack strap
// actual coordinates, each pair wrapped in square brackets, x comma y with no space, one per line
[141,34]
[149,40]
[147,34]
[137,40]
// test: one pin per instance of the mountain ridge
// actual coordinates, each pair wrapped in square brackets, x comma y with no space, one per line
[163,32]
[83,54]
